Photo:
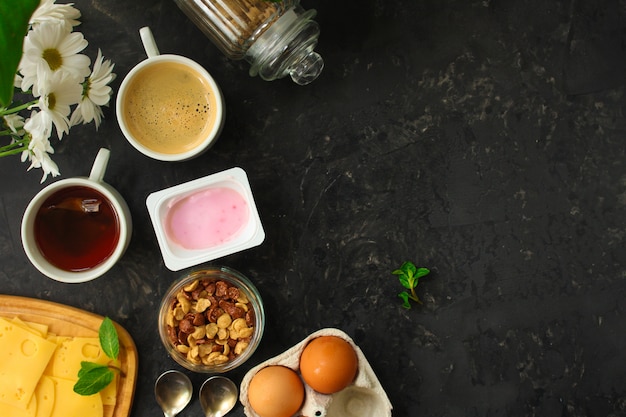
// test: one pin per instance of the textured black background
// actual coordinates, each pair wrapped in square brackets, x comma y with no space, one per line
[483,139]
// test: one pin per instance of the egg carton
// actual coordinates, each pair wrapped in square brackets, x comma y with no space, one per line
[365,397]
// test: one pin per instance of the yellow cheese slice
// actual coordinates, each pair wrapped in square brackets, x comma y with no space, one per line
[109,394]
[69,404]
[12,411]
[58,341]
[16,320]
[44,393]
[72,351]
[24,358]
[28,345]
[41,328]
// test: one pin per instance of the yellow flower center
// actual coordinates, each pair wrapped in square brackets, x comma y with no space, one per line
[53,58]
[52,101]
[86,88]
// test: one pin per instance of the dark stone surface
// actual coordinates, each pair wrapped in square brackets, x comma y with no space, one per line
[482,139]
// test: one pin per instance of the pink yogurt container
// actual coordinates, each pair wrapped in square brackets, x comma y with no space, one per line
[205,219]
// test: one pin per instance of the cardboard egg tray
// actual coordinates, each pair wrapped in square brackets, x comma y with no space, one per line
[364,398]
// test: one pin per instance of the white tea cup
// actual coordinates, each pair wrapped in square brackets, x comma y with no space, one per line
[168,106]
[74,230]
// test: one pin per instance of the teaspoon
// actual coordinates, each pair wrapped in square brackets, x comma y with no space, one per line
[218,395]
[173,391]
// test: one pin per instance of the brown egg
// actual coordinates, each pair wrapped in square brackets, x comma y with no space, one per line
[276,391]
[328,364]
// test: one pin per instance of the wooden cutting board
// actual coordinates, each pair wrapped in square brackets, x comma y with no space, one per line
[70,321]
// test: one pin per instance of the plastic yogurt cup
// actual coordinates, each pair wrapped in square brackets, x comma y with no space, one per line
[205,219]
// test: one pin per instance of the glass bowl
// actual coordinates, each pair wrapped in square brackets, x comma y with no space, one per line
[231,326]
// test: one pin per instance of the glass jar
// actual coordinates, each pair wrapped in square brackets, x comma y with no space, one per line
[276,38]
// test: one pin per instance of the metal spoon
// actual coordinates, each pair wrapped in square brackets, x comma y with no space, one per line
[173,391]
[218,395]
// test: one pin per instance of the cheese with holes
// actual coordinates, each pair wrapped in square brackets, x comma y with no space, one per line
[71,352]
[69,404]
[12,411]
[53,394]
[44,394]
[24,358]
[109,394]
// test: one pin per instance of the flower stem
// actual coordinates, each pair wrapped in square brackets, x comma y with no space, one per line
[15,147]
[13,151]
[16,109]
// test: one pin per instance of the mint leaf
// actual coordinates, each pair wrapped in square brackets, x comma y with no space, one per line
[94,377]
[14,17]
[85,367]
[94,380]
[108,338]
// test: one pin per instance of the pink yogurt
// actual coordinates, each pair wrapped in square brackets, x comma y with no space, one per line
[206,218]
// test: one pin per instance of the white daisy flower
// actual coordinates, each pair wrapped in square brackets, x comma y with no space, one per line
[39,148]
[48,10]
[15,123]
[59,92]
[96,93]
[17,81]
[48,49]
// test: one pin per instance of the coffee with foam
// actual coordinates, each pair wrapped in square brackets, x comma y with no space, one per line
[169,107]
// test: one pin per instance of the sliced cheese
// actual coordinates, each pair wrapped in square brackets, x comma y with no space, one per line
[109,394]
[44,393]
[12,411]
[42,329]
[58,341]
[71,352]
[16,320]
[26,345]
[69,404]
[24,358]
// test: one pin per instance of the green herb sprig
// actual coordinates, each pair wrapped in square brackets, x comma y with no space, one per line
[409,276]
[93,377]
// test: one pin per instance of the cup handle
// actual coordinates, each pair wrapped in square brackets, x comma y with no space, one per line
[100,165]
[149,44]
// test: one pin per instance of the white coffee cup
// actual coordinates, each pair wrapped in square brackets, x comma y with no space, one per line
[168,106]
[108,203]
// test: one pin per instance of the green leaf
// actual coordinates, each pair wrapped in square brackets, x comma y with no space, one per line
[14,17]
[94,380]
[422,272]
[85,367]
[109,340]
[406,282]
[408,268]
[405,300]
[409,276]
